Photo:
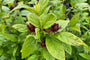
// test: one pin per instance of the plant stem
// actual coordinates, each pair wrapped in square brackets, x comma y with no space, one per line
[68,12]
[40,23]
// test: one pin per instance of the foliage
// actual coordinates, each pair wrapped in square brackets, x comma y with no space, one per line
[44,30]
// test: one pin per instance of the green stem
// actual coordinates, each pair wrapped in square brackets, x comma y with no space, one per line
[68,12]
[40,24]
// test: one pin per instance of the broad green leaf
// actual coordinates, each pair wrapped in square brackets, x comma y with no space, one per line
[48,20]
[11,37]
[43,4]
[33,57]
[47,9]
[24,12]
[28,47]
[45,13]
[62,9]
[8,2]
[62,23]
[20,27]
[32,2]
[22,37]
[33,19]
[75,28]
[67,48]
[82,5]
[47,55]
[86,56]
[74,20]
[70,39]
[20,20]
[6,9]
[1,51]
[37,31]
[24,6]
[55,48]
[78,1]
[59,15]
[74,2]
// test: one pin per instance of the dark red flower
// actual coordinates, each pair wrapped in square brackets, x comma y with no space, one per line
[43,44]
[37,0]
[46,30]
[12,7]
[55,27]
[31,27]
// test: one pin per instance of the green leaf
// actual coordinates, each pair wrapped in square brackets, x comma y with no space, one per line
[55,48]
[62,23]
[37,31]
[8,2]
[32,2]
[82,5]
[2,27]
[74,2]
[1,51]
[6,9]
[11,37]
[22,37]
[47,55]
[48,20]
[20,20]
[78,1]
[37,8]
[33,19]
[33,57]
[43,4]
[47,9]
[70,39]
[28,47]
[24,12]
[76,28]
[67,48]
[62,9]
[74,20]
[86,56]
[20,27]
[31,9]
[59,15]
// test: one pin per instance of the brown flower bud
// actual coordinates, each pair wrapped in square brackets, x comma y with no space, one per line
[31,27]
[55,27]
